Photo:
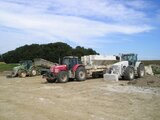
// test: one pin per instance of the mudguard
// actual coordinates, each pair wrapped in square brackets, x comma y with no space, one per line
[76,67]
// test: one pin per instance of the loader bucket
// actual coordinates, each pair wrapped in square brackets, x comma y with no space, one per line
[111,77]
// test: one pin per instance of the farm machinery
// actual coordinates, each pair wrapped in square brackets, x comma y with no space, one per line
[127,68]
[111,67]
[31,68]
[71,68]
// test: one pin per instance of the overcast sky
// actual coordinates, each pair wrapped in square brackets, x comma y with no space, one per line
[108,26]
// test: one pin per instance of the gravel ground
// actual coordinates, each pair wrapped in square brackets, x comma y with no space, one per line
[32,98]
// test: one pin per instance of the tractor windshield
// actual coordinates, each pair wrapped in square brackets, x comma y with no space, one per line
[70,62]
[126,58]
[66,61]
[132,58]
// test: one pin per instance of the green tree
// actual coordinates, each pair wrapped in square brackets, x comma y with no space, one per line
[52,52]
[1,58]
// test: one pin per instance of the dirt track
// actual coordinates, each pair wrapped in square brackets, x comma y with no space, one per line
[34,99]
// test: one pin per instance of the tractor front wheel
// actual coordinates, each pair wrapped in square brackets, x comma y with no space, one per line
[81,74]
[63,77]
[129,73]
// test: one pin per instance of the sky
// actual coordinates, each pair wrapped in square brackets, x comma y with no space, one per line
[108,26]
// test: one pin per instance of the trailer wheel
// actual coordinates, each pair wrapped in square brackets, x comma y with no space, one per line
[63,77]
[129,73]
[22,73]
[81,74]
[141,71]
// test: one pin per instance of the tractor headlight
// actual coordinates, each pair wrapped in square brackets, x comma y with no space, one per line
[56,70]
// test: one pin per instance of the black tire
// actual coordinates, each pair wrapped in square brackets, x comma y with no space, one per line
[51,80]
[94,75]
[141,71]
[80,74]
[22,73]
[63,77]
[33,72]
[129,73]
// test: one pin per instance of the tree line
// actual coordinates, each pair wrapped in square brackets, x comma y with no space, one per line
[52,52]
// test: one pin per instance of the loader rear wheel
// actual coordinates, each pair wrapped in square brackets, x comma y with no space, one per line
[63,77]
[81,74]
[22,74]
[33,72]
[141,71]
[129,73]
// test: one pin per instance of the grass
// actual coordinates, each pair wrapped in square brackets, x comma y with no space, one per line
[6,67]
[157,72]
[151,62]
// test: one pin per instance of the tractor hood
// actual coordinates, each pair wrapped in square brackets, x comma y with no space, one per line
[117,68]
[16,68]
[57,68]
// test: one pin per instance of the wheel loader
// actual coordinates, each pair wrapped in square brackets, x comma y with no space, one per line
[127,68]
[31,68]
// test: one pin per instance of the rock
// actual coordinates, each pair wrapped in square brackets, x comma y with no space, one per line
[112,77]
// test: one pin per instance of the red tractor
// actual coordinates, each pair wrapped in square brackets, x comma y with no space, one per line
[71,68]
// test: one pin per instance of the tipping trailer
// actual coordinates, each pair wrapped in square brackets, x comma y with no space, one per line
[96,65]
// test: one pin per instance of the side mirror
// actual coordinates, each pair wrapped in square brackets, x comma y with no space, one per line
[118,58]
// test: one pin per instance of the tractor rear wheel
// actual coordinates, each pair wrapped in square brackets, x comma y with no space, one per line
[129,73]
[141,71]
[81,74]
[63,77]
[22,73]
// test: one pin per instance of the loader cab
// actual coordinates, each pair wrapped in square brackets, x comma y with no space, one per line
[131,58]
[26,64]
[70,61]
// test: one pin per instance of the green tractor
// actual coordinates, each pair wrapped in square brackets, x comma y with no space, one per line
[26,68]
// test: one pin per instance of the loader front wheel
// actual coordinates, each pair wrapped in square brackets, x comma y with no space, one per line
[22,74]
[129,73]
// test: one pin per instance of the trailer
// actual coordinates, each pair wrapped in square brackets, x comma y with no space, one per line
[96,65]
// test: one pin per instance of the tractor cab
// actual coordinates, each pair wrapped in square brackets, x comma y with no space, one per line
[70,61]
[131,58]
